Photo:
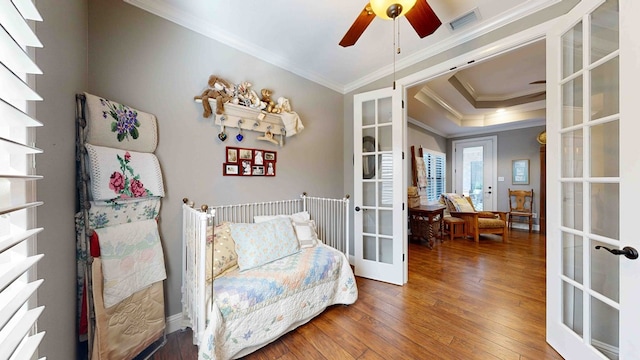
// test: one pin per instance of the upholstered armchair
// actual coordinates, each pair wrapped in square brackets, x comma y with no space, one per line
[476,222]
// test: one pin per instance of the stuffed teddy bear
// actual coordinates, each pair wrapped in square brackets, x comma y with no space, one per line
[218,89]
[266,98]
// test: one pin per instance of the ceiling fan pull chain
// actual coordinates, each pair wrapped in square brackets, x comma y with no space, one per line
[394,51]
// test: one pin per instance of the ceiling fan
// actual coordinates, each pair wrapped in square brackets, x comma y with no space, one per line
[419,14]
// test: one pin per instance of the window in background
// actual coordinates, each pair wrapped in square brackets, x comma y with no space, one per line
[436,168]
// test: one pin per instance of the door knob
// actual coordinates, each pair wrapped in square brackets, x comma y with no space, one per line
[357,208]
[627,251]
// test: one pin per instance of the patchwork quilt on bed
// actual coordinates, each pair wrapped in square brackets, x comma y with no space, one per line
[254,307]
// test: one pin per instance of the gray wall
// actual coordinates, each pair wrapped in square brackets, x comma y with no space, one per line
[156,66]
[64,63]
[420,137]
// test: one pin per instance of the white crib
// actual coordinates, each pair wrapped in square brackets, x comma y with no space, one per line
[330,215]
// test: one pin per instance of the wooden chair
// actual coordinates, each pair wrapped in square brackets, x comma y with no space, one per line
[477,222]
[520,207]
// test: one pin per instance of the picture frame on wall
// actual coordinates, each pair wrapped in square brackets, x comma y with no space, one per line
[258,170]
[520,172]
[246,154]
[232,155]
[270,168]
[246,168]
[231,169]
[269,156]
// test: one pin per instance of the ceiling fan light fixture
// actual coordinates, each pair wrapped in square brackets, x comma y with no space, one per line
[390,9]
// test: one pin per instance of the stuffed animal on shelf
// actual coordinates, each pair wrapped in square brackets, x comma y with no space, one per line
[220,90]
[266,98]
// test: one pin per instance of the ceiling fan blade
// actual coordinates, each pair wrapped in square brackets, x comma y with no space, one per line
[538,82]
[359,26]
[423,19]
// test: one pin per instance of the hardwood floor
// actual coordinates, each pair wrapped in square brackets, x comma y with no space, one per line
[463,301]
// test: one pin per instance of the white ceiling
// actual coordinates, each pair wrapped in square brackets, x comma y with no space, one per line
[303,36]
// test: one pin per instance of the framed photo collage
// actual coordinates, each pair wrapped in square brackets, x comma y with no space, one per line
[249,162]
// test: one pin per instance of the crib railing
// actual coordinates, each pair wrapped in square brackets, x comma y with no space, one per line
[244,213]
[194,240]
[330,215]
[332,220]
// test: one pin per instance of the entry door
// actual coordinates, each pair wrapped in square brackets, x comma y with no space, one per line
[475,171]
[379,230]
[593,171]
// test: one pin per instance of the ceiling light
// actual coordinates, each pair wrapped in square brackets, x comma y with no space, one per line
[500,111]
[391,9]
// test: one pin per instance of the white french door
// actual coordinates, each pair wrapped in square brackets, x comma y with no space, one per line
[592,181]
[379,230]
[475,172]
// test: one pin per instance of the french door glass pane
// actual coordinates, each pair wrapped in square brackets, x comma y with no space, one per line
[605,209]
[369,221]
[572,205]
[605,89]
[369,248]
[572,154]
[473,175]
[572,51]
[605,152]
[605,271]
[605,328]
[572,266]
[385,139]
[385,221]
[369,194]
[604,30]
[572,305]
[368,112]
[572,103]
[386,250]
[384,111]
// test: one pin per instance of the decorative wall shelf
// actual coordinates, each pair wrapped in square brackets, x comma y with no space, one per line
[246,118]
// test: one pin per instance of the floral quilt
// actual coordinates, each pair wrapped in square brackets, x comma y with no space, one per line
[254,307]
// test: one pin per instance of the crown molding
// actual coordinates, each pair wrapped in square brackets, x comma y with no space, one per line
[424,126]
[202,27]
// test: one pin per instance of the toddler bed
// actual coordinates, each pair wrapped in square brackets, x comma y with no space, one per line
[269,276]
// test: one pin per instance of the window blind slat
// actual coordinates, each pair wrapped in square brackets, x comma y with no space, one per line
[10,209]
[14,57]
[27,10]
[19,268]
[20,177]
[15,117]
[7,242]
[14,24]
[29,346]
[15,88]
[14,304]
[13,147]
[19,332]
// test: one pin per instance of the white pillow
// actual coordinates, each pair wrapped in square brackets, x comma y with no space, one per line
[297,217]
[306,233]
[258,244]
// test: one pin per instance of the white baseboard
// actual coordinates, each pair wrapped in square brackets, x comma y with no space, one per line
[174,323]
[524,226]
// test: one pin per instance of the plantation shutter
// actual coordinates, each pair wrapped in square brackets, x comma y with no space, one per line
[19,338]
[435,164]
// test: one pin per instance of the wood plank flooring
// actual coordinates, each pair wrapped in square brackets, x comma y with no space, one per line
[463,301]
